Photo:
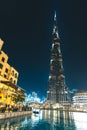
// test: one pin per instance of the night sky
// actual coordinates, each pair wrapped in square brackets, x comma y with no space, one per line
[26,28]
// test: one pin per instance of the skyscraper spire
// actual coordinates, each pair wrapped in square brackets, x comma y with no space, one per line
[55,16]
[57,90]
[55,28]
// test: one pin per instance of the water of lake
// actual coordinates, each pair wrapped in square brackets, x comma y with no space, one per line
[47,120]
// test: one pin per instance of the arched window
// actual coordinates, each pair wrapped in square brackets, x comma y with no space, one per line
[14,81]
[3,59]
[12,72]
[1,66]
[16,75]
[11,79]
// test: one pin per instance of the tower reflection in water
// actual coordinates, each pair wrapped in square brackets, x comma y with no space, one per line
[47,120]
[59,119]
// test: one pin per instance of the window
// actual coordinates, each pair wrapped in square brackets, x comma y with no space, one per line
[4,75]
[11,79]
[6,70]
[12,72]
[3,59]
[14,82]
[16,75]
[1,66]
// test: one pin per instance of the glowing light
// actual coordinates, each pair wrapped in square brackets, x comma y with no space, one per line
[52,45]
[80,120]
[50,77]
[51,61]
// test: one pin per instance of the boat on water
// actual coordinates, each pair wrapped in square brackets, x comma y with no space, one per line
[36,111]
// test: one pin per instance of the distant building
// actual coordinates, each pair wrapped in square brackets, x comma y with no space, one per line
[80,100]
[80,97]
[10,93]
[57,90]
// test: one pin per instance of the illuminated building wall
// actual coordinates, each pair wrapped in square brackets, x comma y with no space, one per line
[1,43]
[7,72]
[80,100]
[10,93]
[80,97]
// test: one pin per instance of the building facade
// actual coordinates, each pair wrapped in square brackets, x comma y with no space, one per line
[57,89]
[7,72]
[10,93]
[80,97]
[80,100]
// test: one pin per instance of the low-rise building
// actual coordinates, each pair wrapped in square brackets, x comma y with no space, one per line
[80,100]
[10,93]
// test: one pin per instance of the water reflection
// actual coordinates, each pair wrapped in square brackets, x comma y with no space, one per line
[47,120]
[59,119]
[14,123]
[80,120]
[36,118]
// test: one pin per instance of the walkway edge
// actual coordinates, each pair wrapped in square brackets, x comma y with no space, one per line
[13,114]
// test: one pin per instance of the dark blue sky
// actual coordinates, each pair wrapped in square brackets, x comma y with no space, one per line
[26,28]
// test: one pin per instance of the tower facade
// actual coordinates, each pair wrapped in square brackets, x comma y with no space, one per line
[57,89]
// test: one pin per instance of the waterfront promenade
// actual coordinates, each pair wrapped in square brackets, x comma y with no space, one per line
[46,120]
[6,115]
[11,114]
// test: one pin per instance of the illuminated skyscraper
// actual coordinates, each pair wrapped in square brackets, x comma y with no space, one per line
[57,89]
